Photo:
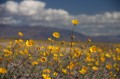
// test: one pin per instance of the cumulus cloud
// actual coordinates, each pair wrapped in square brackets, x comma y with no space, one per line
[100,19]
[35,13]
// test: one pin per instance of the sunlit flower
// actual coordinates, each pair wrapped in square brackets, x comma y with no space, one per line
[75,22]
[50,39]
[3,71]
[108,55]
[50,47]
[83,70]
[46,76]
[29,42]
[96,63]
[102,58]
[71,65]
[108,66]
[34,63]
[24,52]
[7,52]
[20,33]
[43,59]
[93,49]
[88,58]
[55,73]
[77,53]
[56,35]
[95,68]
[64,70]
[46,71]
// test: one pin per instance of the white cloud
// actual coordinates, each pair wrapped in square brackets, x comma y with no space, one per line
[11,6]
[34,13]
[100,19]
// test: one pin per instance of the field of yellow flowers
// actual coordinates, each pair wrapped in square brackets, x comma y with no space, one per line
[52,59]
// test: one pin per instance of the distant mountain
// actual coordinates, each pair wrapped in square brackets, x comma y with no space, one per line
[42,33]
[114,39]
[37,32]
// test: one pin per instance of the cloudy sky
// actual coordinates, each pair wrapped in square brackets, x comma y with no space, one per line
[97,17]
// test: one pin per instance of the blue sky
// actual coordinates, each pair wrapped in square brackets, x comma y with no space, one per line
[85,6]
[81,6]
[97,17]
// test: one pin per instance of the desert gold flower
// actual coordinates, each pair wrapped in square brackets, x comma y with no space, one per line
[20,33]
[56,35]
[50,47]
[118,50]
[64,70]
[50,39]
[108,66]
[34,63]
[24,52]
[108,55]
[96,63]
[43,59]
[93,49]
[71,65]
[75,22]
[7,52]
[83,70]
[55,73]
[29,42]
[118,58]
[95,68]
[102,59]
[46,71]
[46,76]
[88,58]
[3,71]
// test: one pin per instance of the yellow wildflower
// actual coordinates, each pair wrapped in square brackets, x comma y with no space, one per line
[95,68]
[64,70]
[118,50]
[61,54]
[118,58]
[50,47]
[34,63]
[55,73]
[77,53]
[56,35]
[3,71]
[29,42]
[7,52]
[20,40]
[83,70]
[43,59]
[108,66]
[50,39]
[88,58]
[108,55]
[46,71]
[75,22]
[24,52]
[46,76]
[93,49]
[20,33]
[102,58]
[96,63]
[71,65]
